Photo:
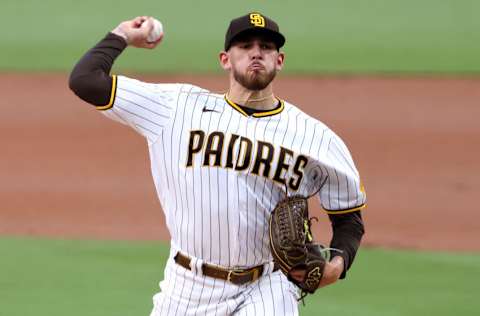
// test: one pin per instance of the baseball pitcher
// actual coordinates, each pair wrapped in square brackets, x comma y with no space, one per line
[233,173]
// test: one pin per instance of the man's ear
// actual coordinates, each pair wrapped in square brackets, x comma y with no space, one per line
[280,60]
[224,59]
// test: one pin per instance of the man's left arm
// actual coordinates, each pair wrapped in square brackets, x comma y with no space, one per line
[348,230]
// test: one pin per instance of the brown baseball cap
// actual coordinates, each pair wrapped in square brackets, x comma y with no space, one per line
[254,22]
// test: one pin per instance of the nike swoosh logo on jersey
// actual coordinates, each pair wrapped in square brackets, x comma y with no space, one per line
[209,110]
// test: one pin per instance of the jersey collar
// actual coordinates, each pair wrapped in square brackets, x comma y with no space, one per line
[276,110]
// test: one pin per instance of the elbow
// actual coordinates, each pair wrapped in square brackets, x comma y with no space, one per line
[361,230]
[82,87]
[360,225]
[74,84]
[78,82]
[91,88]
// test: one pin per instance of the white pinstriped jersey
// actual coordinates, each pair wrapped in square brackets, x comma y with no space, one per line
[219,172]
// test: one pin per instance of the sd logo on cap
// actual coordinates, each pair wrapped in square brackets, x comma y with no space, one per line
[254,22]
[257,19]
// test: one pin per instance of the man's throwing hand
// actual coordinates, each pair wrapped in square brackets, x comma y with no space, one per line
[136,31]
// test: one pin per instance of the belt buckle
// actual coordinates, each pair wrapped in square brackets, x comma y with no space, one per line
[240,272]
[237,272]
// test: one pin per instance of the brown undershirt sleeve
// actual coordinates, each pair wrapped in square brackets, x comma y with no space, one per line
[348,230]
[90,78]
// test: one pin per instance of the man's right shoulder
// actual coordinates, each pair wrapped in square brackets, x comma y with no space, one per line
[160,87]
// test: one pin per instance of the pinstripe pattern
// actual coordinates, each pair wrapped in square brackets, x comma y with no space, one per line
[218,213]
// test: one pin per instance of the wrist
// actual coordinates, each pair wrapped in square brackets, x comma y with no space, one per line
[332,272]
[339,265]
[119,32]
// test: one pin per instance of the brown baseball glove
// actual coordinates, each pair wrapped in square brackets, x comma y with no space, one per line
[292,246]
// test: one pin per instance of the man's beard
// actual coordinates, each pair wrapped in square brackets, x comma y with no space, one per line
[256,82]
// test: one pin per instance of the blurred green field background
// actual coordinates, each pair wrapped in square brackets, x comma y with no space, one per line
[341,36]
[60,277]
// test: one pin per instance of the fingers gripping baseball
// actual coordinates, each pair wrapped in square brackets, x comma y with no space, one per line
[136,32]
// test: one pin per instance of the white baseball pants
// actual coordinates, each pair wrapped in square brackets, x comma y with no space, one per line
[183,292]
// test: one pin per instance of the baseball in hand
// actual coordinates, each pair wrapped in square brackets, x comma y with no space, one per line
[156,31]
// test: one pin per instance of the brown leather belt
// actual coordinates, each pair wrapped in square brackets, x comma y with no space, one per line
[236,276]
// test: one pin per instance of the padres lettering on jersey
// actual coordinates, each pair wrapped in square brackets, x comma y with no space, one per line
[219,172]
[263,158]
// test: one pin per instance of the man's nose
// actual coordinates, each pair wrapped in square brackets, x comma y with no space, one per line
[255,51]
